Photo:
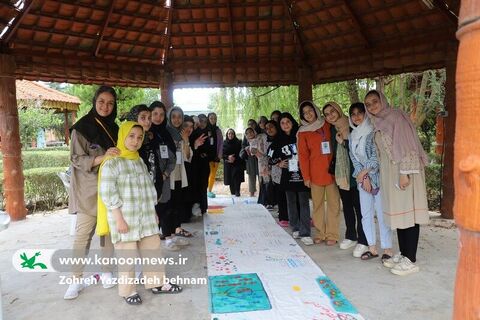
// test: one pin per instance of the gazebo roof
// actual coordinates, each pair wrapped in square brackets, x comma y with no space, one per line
[225,42]
[51,98]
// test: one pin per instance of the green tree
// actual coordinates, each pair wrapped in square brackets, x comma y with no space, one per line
[32,119]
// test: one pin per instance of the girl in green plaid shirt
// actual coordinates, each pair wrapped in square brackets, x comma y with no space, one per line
[128,197]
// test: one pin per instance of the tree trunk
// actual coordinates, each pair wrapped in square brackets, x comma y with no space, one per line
[352,89]
[11,147]
[467,163]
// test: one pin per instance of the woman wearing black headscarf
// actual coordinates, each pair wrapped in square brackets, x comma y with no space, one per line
[200,164]
[93,137]
[233,165]
[164,144]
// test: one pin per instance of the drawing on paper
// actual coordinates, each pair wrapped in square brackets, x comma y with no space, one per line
[338,300]
[237,293]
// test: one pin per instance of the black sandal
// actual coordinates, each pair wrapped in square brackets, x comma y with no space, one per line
[184,233]
[172,290]
[385,257]
[134,299]
[368,255]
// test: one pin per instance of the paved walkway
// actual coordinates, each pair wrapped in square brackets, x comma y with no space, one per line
[375,292]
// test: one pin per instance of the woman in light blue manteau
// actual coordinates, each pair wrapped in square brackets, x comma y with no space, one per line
[364,158]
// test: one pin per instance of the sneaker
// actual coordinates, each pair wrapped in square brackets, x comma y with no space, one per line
[390,263]
[347,243]
[73,291]
[359,250]
[180,241]
[106,279]
[307,241]
[196,211]
[296,235]
[211,194]
[404,267]
[171,246]
[283,223]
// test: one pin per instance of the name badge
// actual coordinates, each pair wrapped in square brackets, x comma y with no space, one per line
[164,152]
[293,165]
[179,157]
[211,141]
[326,147]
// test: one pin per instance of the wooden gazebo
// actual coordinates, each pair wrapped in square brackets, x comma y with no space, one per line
[182,43]
[29,93]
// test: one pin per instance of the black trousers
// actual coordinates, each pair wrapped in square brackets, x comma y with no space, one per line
[236,178]
[408,241]
[178,204]
[281,199]
[262,193]
[270,194]
[165,216]
[203,187]
[353,215]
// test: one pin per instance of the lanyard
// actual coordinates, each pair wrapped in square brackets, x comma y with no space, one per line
[105,129]
[322,133]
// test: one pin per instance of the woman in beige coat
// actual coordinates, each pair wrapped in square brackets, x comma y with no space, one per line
[402,178]
[93,137]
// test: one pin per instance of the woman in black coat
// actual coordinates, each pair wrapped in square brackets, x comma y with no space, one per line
[233,166]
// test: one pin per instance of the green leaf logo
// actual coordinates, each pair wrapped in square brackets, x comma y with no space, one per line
[30,262]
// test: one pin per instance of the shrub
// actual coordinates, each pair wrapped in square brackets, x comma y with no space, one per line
[44,189]
[64,148]
[45,159]
[433,180]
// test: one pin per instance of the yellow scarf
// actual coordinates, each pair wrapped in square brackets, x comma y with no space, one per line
[125,128]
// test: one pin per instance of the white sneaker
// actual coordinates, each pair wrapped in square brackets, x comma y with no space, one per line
[171,246]
[180,241]
[73,291]
[390,263]
[359,250]
[404,267]
[106,279]
[347,243]
[307,241]
[296,235]
[196,211]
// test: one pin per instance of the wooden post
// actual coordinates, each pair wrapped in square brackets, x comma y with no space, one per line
[166,91]
[305,83]
[67,131]
[11,147]
[74,117]
[448,188]
[467,164]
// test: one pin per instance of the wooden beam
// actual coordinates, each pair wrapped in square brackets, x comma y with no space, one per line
[241,4]
[225,20]
[104,27]
[16,23]
[116,54]
[166,48]
[230,30]
[11,148]
[66,126]
[446,11]
[357,23]
[466,163]
[296,32]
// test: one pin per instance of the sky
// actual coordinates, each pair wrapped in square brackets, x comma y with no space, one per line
[193,99]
